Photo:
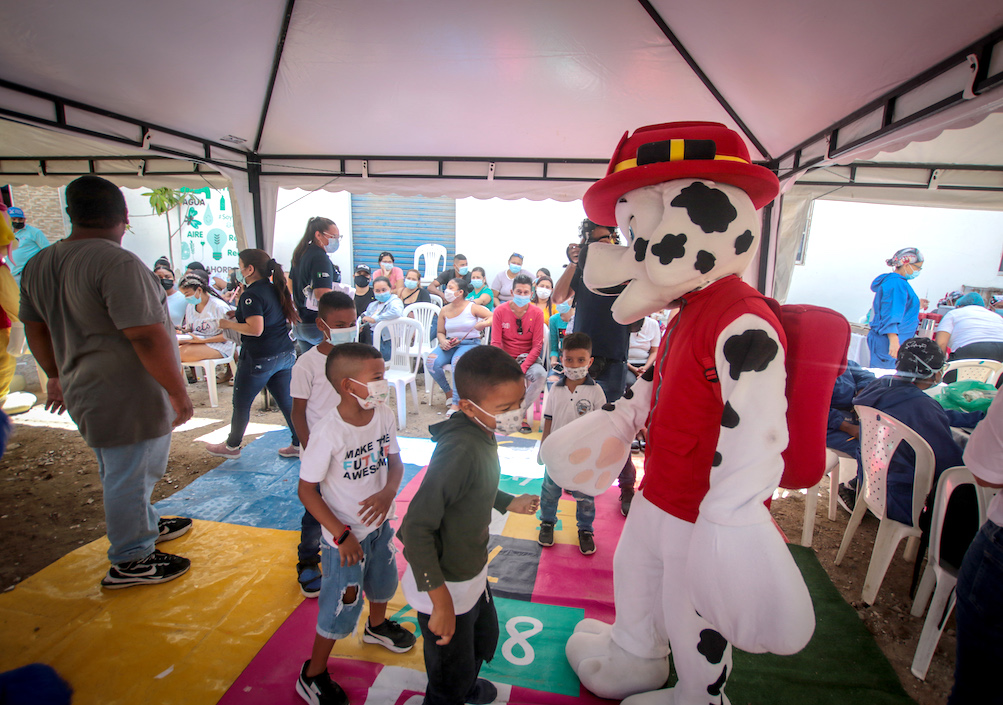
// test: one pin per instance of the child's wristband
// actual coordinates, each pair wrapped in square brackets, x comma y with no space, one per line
[341,539]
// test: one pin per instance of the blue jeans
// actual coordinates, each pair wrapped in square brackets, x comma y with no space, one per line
[447,357]
[979,615]
[550,493]
[376,574]
[128,474]
[308,550]
[386,349]
[253,375]
[308,335]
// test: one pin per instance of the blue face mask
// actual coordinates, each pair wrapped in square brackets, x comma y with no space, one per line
[912,275]
[515,268]
[240,278]
[194,300]
[463,271]
[563,308]
[384,297]
[337,336]
[477,283]
[410,283]
[520,301]
[333,244]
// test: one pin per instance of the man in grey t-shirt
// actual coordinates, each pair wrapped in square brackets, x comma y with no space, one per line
[97,322]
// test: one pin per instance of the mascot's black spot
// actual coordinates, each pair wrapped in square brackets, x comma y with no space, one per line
[629,394]
[715,687]
[753,350]
[743,242]
[717,459]
[712,646]
[705,261]
[640,249]
[729,419]
[608,407]
[710,208]
[649,374]
[671,247]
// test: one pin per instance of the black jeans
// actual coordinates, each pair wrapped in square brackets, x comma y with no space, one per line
[452,669]
[611,375]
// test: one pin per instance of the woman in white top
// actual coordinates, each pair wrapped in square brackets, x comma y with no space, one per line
[642,348]
[501,287]
[971,331]
[202,322]
[459,330]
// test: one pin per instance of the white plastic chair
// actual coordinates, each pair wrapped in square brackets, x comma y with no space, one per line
[833,462]
[940,574]
[880,435]
[424,314]
[987,371]
[402,368]
[208,368]
[437,300]
[434,254]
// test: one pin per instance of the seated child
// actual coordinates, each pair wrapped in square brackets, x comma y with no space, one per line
[354,460]
[313,397]
[919,366]
[574,395]
[445,531]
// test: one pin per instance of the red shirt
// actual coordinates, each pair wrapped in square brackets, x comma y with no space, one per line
[684,426]
[505,333]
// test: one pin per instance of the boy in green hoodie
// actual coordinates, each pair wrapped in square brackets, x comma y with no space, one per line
[445,532]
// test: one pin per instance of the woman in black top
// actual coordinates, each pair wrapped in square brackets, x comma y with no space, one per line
[264,312]
[411,291]
[313,275]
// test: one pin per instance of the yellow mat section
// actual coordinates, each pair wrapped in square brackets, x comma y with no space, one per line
[527,526]
[182,642]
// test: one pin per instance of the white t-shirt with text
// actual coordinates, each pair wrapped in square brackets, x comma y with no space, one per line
[350,464]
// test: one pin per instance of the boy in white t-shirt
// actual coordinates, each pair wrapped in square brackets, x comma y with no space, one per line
[574,395]
[354,460]
[313,397]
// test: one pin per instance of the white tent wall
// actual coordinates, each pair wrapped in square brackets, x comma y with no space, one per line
[850,241]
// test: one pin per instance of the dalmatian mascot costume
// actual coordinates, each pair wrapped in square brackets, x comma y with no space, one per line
[700,566]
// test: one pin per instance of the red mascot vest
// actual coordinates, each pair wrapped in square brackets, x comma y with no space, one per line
[685,420]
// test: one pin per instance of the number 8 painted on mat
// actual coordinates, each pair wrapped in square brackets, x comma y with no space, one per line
[522,639]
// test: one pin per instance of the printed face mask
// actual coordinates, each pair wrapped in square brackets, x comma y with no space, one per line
[542,292]
[411,284]
[575,373]
[379,392]
[450,295]
[506,423]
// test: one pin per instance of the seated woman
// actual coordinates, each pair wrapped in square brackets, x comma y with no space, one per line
[389,270]
[541,297]
[411,291]
[971,331]
[480,292]
[563,313]
[642,348]
[541,272]
[501,287]
[386,307]
[202,322]
[175,299]
[459,330]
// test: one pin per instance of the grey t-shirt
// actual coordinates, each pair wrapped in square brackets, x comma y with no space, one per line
[86,292]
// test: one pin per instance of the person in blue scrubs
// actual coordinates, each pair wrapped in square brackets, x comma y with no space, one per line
[896,308]
[30,241]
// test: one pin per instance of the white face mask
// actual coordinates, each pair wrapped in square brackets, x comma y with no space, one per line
[542,292]
[337,336]
[506,423]
[379,392]
[450,295]
[576,373]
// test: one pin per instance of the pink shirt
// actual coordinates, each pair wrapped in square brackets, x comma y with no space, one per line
[505,333]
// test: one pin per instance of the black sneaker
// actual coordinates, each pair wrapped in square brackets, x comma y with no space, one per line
[309,577]
[846,498]
[625,499]
[320,689]
[483,692]
[390,636]
[156,568]
[586,544]
[546,537]
[173,527]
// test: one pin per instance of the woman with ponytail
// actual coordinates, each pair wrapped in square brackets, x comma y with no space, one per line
[204,310]
[313,274]
[264,313]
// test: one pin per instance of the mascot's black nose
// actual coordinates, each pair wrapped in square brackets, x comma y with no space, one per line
[607,291]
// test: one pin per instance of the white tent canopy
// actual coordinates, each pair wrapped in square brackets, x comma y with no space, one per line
[525,98]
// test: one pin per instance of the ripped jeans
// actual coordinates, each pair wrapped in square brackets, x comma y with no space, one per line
[375,574]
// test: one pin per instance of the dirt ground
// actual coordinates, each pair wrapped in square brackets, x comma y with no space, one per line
[50,499]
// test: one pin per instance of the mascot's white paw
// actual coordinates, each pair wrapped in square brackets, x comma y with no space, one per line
[588,454]
[666,696]
[607,670]
[744,581]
